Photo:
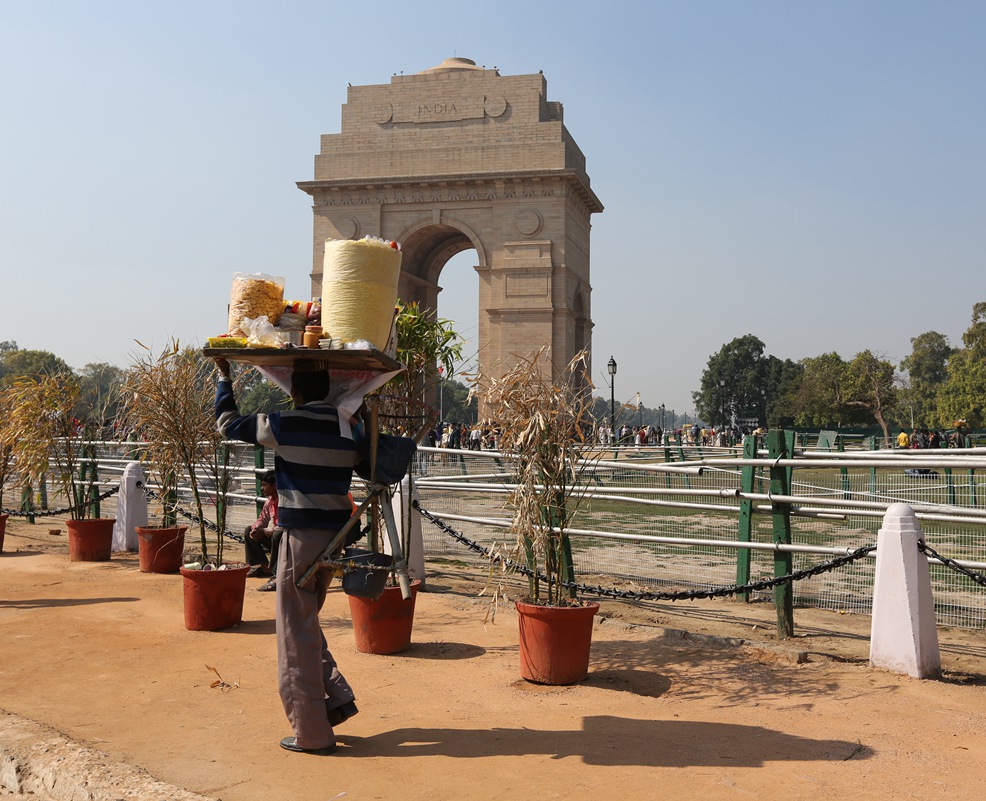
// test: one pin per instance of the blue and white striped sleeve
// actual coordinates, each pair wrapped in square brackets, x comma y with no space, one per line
[253,428]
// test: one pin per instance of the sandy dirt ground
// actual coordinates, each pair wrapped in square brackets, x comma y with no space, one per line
[98,651]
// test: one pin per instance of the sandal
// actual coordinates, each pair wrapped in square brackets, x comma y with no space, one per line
[291,744]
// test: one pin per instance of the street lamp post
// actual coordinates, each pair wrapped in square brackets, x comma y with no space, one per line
[640,416]
[611,366]
[662,417]
[763,405]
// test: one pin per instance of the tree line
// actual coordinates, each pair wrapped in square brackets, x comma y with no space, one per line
[100,383]
[935,387]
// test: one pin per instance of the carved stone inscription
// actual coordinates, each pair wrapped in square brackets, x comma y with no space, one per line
[439,108]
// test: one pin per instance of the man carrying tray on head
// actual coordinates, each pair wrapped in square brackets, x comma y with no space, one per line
[313,464]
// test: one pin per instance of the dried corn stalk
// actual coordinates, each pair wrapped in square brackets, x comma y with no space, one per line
[547,428]
[169,404]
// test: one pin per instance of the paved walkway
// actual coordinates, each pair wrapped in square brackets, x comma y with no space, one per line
[107,696]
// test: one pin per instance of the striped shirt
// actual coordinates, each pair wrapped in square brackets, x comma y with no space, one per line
[312,460]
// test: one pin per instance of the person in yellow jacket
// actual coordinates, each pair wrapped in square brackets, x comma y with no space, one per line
[903,441]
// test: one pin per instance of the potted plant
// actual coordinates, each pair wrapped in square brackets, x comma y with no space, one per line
[383,624]
[160,548]
[546,427]
[169,406]
[53,433]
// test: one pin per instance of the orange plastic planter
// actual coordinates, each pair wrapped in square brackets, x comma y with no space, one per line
[160,549]
[90,540]
[213,598]
[555,642]
[383,626]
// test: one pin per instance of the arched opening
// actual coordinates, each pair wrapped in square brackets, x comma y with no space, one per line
[458,301]
[439,272]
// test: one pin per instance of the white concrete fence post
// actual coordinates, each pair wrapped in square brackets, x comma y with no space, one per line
[131,508]
[904,631]
[408,517]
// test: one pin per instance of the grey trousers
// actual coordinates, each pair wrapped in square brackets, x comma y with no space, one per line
[309,681]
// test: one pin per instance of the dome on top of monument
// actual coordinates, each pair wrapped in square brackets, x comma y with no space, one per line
[453,65]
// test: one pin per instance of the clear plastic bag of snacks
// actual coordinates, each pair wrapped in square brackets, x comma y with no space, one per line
[254,295]
[260,332]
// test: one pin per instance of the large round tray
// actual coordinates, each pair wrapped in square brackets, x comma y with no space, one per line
[322,359]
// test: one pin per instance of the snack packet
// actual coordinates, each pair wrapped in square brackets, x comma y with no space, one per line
[254,295]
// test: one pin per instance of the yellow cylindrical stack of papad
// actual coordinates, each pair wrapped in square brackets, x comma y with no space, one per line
[359,289]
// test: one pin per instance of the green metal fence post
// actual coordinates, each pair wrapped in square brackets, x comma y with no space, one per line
[874,445]
[840,446]
[681,455]
[89,458]
[950,484]
[27,503]
[170,502]
[747,477]
[555,516]
[780,444]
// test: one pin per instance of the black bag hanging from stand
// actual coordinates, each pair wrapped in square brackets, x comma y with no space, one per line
[394,455]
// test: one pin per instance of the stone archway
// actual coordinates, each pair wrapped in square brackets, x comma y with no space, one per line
[459,157]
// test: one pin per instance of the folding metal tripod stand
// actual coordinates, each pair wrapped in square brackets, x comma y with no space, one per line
[378,496]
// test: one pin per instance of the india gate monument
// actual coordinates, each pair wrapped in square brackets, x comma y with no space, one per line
[458,157]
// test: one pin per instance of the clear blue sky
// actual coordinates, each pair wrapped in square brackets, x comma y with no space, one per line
[813,173]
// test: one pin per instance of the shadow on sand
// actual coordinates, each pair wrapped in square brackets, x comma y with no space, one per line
[646,743]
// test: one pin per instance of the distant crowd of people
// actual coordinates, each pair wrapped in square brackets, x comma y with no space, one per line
[485,436]
[925,438]
[639,436]
[478,437]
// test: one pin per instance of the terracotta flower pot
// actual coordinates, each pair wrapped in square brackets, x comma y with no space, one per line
[214,598]
[90,540]
[160,549]
[555,642]
[383,626]
[3,529]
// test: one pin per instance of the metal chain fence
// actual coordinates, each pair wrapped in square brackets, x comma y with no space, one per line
[640,595]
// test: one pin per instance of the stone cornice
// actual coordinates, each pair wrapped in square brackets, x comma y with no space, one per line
[497,185]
